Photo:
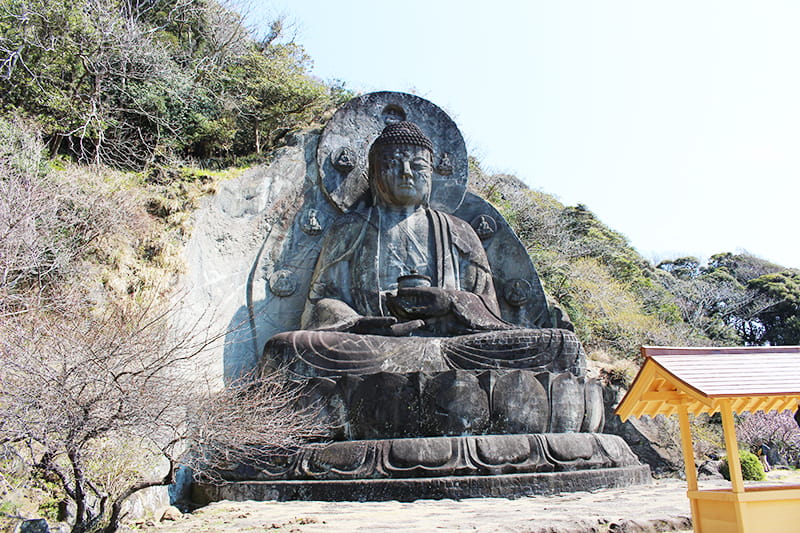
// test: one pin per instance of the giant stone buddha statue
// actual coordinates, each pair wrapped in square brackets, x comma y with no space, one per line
[415,322]
[402,287]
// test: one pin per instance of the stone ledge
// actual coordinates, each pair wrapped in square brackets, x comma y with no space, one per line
[452,487]
[432,457]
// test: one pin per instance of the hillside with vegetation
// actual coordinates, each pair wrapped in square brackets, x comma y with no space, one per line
[116,118]
[619,301]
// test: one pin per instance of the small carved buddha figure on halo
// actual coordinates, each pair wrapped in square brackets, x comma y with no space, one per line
[402,287]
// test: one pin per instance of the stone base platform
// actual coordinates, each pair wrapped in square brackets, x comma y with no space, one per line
[464,466]
[451,487]
[390,405]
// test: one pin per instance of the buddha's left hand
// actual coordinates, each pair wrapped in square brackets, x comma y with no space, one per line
[420,302]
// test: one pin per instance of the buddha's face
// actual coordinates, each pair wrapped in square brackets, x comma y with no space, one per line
[401,175]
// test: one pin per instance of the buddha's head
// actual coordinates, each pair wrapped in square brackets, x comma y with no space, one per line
[400,166]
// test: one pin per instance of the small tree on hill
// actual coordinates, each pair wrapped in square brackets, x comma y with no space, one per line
[779,431]
[75,386]
[91,378]
[781,320]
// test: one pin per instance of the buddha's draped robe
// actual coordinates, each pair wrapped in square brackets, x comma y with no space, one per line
[362,255]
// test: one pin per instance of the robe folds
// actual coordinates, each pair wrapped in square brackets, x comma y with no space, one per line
[348,266]
[350,282]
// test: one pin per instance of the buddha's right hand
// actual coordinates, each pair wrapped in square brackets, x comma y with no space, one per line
[384,325]
[401,329]
[374,325]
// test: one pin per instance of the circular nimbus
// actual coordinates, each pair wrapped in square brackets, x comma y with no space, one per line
[517,292]
[357,123]
[283,283]
[484,226]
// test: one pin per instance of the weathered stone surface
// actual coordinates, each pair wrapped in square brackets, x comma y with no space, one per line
[453,403]
[340,459]
[568,448]
[594,410]
[510,261]
[409,454]
[709,470]
[240,237]
[501,454]
[326,396]
[356,124]
[410,489]
[385,405]
[567,401]
[519,403]
[35,525]
[475,455]
[170,514]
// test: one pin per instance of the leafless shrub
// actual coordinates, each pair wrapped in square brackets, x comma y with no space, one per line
[778,430]
[73,382]
[92,379]
[51,221]
[33,249]
[251,420]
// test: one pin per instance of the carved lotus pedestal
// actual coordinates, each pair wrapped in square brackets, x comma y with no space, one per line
[454,434]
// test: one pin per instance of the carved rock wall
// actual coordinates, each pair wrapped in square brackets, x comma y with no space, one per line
[471,455]
[241,229]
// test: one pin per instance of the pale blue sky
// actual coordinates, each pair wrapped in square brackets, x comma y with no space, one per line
[677,123]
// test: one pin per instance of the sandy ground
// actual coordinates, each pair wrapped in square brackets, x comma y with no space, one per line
[661,506]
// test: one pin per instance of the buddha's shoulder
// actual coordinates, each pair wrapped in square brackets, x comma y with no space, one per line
[462,228]
[465,239]
[459,223]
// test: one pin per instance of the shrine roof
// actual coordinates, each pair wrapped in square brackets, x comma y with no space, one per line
[748,378]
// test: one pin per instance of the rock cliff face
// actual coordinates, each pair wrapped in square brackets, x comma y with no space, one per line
[249,215]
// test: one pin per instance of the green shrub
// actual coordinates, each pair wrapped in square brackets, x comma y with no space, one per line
[8,508]
[48,508]
[752,469]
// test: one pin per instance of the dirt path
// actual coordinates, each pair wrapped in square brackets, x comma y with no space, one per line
[662,506]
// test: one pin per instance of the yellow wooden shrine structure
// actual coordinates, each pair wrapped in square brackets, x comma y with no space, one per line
[692,381]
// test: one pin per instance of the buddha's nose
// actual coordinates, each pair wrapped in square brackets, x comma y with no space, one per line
[407,169]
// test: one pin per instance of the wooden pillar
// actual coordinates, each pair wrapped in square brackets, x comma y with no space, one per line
[688,462]
[731,446]
[688,449]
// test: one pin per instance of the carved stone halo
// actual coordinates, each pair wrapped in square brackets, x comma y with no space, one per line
[283,283]
[485,226]
[517,292]
[356,125]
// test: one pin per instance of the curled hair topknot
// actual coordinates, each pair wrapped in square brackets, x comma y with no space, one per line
[403,133]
